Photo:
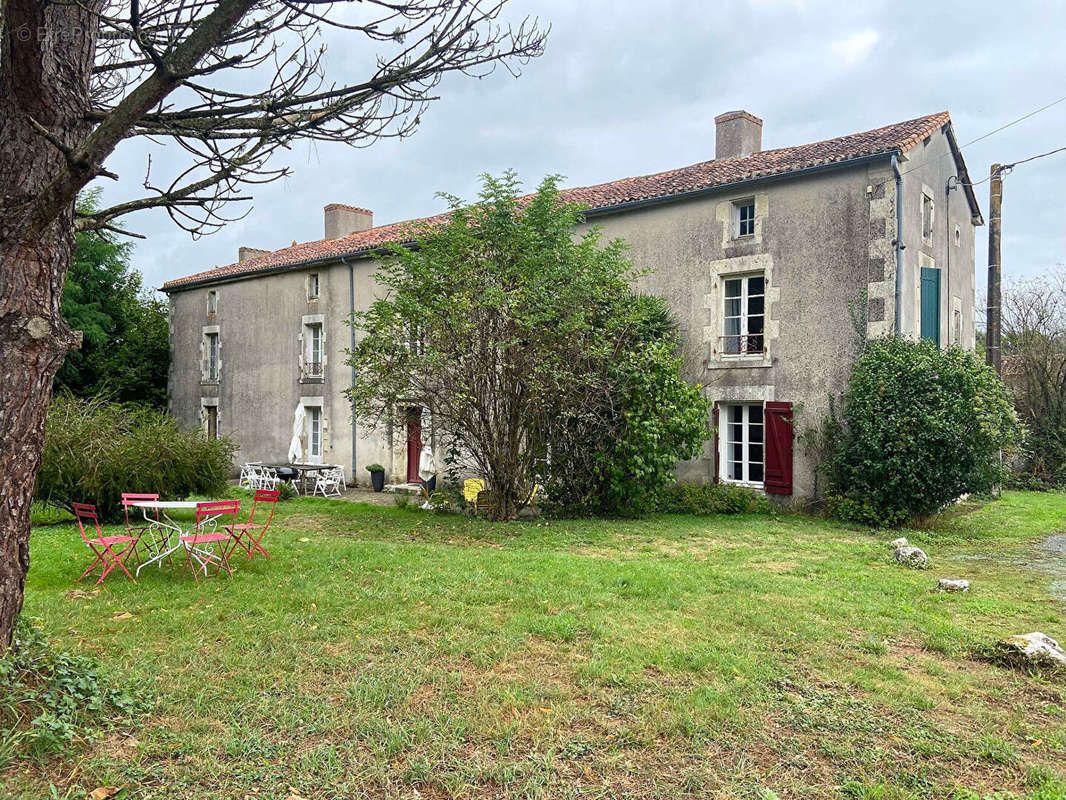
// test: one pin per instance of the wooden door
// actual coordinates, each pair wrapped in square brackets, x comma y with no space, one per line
[414,443]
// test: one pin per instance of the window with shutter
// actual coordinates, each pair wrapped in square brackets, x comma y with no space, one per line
[778,473]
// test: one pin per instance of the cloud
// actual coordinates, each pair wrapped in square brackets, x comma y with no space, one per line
[854,48]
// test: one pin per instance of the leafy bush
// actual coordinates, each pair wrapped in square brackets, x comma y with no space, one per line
[375,468]
[919,426]
[95,450]
[47,698]
[616,452]
[721,498]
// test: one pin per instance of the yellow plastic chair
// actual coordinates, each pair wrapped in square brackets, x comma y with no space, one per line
[472,487]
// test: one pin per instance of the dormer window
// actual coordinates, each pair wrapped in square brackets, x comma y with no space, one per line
[744,218]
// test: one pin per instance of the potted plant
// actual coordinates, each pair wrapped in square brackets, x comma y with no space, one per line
[377,476]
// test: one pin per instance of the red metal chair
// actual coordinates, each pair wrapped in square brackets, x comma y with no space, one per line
[102,546]
[251,529]
[213,519]
[143,526]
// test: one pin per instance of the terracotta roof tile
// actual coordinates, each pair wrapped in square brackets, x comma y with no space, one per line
[901,137]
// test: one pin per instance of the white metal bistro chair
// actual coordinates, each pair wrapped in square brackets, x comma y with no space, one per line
[266,479]
[329,482]
[247,474]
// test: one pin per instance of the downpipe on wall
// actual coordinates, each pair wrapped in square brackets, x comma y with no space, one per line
[899,245]
[351,334]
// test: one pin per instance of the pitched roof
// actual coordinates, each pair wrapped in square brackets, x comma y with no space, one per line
[899,137]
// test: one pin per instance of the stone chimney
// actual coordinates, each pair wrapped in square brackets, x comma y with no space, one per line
[737,134]
[342,220]
[244,253]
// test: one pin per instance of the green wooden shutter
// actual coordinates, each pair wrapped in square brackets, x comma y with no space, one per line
[931,304]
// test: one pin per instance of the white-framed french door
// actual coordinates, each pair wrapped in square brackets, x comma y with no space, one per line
[742,444]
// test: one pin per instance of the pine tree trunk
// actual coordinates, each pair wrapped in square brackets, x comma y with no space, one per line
[44,79]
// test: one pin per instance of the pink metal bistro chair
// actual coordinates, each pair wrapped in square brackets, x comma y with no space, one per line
[251,530]
[142,528]
[213,519]
[103,547]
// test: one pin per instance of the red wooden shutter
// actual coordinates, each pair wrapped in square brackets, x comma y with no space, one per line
[716,455]
[778,433]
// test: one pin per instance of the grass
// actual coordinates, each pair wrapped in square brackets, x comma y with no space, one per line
[387,653]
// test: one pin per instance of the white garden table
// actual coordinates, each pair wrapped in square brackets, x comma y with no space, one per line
[171,530]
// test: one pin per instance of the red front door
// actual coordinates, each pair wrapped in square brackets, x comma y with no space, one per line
[414,443]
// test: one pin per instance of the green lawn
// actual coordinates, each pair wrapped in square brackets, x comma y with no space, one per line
[396,653]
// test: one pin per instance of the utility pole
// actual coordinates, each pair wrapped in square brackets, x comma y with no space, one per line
[994,325]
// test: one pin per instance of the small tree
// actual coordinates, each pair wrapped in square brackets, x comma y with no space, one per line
[919,426]
[510,329]
[1034,367]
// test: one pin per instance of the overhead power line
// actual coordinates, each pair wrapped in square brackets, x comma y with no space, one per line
[1013,122]
[1006,168]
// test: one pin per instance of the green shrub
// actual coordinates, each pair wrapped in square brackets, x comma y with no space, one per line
[47,698]
[918,427]
[95,450]
[375,468]
[615,452]
[721,498]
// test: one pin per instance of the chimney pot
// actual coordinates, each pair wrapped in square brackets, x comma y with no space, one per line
[737,134]
[341,220]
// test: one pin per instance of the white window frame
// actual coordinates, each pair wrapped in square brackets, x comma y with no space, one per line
[314,286]
[744,316]
[314,419]
[314,340]
[726,441]
[739,221]
[306,349]
[210,357]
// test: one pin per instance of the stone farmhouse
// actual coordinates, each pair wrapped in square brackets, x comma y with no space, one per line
[760,253]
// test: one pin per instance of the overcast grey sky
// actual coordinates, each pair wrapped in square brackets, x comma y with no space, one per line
[629,88]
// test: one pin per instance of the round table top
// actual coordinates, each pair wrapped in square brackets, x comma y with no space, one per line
[173,504]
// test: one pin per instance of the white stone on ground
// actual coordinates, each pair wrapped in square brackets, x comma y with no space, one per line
[913,557]
[1035,649]
[898,543]
[948,585]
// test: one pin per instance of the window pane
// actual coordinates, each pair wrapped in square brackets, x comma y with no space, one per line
[736,413]
[755,453]
[755,415]
[755,473]
[755,284]
[732,307]
[732,288]
[755,305]
[755,324]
